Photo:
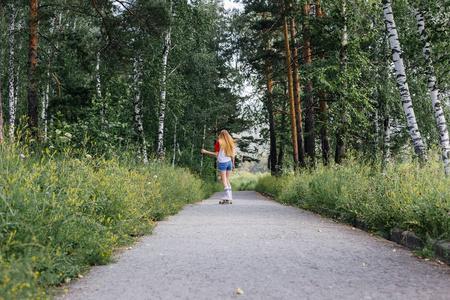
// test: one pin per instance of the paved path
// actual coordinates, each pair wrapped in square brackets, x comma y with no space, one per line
[269,251]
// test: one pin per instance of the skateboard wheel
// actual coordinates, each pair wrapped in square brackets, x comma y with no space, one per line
[231,202]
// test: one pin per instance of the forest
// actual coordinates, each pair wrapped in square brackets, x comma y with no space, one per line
[326,77]
[163,77]
[93,89]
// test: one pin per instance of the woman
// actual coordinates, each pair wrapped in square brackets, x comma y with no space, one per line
[224,151]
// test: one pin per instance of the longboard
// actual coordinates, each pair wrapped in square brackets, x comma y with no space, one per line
[225,201]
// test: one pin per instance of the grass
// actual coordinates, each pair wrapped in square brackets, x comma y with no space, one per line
[404,196]
[61,213]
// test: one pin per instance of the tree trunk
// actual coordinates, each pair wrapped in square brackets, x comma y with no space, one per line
[12,102]
[414,133]
[297,103]
[434,93]
[374,119]
[2,130]
[325,141]
[387,139]
[138,105]
[98,82]
[310,144]
[174,144]
[290,90]
[46,97]
[341,142]
[203,146]
[280,159]
[44,107]
[32,62]
[269,106]
[161,151]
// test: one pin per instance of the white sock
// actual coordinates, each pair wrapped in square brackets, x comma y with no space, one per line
[229,194]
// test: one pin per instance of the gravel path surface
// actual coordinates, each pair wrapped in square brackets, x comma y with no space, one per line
[269,251]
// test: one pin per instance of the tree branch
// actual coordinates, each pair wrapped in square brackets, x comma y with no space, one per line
[103,19]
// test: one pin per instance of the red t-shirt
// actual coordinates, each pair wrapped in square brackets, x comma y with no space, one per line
[217,147]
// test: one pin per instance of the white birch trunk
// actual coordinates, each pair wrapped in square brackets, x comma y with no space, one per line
[203,147]
[98,82]
[434,93]
[138,109]
[45,106]
[174,144]
[414,133]
[387,140]
[2,130]
[45,99]
[161,151]
[12,86]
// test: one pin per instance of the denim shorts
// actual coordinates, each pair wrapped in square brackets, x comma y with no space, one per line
[226,166]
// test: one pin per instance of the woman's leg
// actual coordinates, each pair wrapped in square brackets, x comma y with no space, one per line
[228,178]
[223,176]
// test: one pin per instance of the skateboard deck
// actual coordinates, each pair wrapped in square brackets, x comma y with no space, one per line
[225,201]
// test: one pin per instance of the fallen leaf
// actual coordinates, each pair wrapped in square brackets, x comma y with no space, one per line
[319,230]
[394,250]
[239,291]
[80,276]
[363,264]
[440,262]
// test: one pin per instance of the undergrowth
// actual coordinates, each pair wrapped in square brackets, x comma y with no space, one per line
[63,212]
[404,196]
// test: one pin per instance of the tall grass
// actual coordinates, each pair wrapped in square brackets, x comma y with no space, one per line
[404,196]
[60,213]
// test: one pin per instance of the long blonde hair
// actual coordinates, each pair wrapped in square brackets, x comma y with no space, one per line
[227,143]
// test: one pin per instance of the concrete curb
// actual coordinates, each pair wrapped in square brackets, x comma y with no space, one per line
[413,242]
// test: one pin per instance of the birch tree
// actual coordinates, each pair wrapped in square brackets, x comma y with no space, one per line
[2,131]
[434,92]
[403,87]
[323,106]
[12,96]
[341,143]
[387,139]
[138,105]
[161,151]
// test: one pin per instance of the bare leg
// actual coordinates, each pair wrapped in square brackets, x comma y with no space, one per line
[228,178]
[223,176]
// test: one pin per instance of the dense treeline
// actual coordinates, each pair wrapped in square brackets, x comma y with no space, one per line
[333,76]
[103,74]
[340,76]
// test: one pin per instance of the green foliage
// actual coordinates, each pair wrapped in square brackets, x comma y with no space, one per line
[61,213]
[243,181]
[403,196]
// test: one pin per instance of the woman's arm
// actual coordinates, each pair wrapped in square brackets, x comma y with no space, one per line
[210,153]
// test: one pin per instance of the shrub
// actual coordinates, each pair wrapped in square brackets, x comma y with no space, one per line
[404,196]
[61,213]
